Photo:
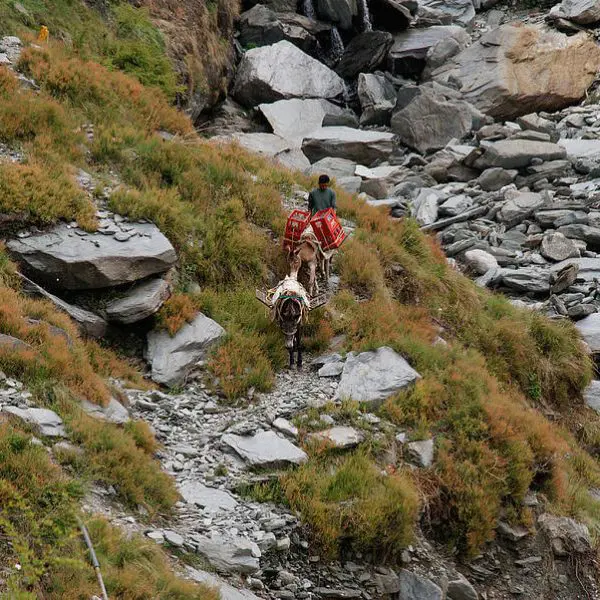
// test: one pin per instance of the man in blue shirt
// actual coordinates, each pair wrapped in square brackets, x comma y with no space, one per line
[322,197]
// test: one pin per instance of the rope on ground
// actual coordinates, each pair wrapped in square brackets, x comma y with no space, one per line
[93,557]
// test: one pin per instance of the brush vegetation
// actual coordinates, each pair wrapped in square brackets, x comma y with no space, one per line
[479,394]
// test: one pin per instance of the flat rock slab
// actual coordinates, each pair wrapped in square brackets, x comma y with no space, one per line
[210,499]
[340,437]
[226,591]
[67,260]
[229,554]
[416,587]
[115,412]
[283,71]
[374,376]
[265,449]
[358,145]
[589,328]
[591,395]
[515,154]
[140,302]
[580,148]
[332,369]
[171,358]
[46,421]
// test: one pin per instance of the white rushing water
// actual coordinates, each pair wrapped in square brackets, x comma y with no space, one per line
[337,45]
[363,9]
[309,9]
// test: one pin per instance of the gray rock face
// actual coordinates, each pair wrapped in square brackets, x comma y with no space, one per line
[515,70]
[358,145]
[89,323]
[334,167]
[421,453]
[409,51]
[332,369]
[46,421]
[527,279]
[283,71]
[566,535]
[415,587]
[294,119]
[230,555]
[589,328]
[518,208]
[210,499]
[340,437]
[591,396]
[461,589]
[338,11]
[583,12]
[480,261]
[462,12]
[115,412]
[557,247]
[139,302]
[514,154]
[588,234]
[265,449]
[495,178]
[171,358]
[65,259]
[377,99]
[426,206]
[226,591]
[365,53]
[374,376]
[429,121]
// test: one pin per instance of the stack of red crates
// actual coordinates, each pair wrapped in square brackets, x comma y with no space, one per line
[297,222]
[328,229]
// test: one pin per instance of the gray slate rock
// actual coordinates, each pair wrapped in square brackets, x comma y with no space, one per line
[514,154]
[171,358]
[480,261]
[46,421]
[139,302]
[374,376]
[461,589]
[265,449]
[591,396]
[566,535]
[340,437]
[361,146]
[582,12]
[557,247]
[416,587]
[8,341]
[64,259]
[340,168]
[421,452]
[494,178]
[210,499]
[377,99]
[338,11]
[114,412]
[429,121]
[226,591]
[462,12]
[229,554]
[527,279]
[365,53]
[332,369]
[283,71]
[589,328]
[519,207]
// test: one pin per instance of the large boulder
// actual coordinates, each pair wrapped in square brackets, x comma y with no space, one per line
[261,26]
[294,119]
[377,99]
[113,412]
[229,554]
[393,15]
[171,358]
[139,302]
[527,279]
[265,449]
[409,51]
[364,53]
[339,12]
[417,587]
[429,121]
[69,258]
[556,247]
[589,328]
[582,12]
[519,207]
[361,146]
[283,71]
[514,154]
[44,420]
[515,70]
[374,376]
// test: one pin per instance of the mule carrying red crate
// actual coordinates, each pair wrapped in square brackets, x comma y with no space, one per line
[328,229]
[297,222]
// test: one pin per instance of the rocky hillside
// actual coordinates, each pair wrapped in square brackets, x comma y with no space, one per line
[441,442]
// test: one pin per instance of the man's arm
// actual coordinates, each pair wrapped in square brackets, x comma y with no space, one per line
[311,202]
[333,201]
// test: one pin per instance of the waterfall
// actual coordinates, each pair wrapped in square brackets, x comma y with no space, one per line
[309,9]
[363,10]
[337,45]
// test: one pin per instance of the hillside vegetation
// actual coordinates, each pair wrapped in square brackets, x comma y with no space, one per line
[479,395]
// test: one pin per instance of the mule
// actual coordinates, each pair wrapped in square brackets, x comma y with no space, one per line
[289,317]
[308,252]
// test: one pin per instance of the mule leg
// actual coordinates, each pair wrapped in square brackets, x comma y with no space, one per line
[291,353]
[314,287]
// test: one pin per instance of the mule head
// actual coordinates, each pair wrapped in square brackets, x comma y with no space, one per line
[294,262]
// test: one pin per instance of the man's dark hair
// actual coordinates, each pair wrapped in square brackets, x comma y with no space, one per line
[323,179]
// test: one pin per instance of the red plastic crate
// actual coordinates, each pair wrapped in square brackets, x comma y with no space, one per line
[328,229]
[297,222]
